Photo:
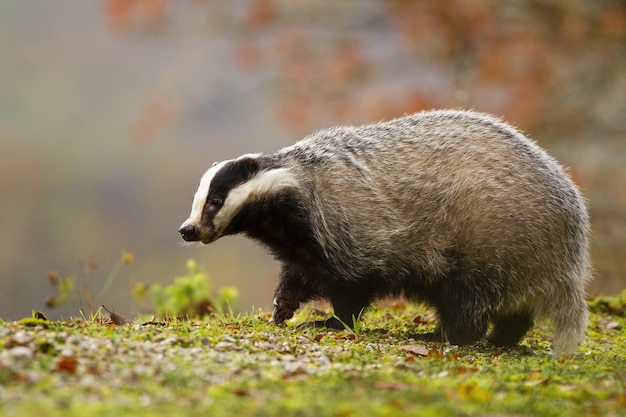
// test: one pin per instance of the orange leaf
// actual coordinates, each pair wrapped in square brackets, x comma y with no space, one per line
[419,320]
[67,364]
[345,336]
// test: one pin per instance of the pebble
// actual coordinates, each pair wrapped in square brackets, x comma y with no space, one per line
[614,325]
[21,353]
[22,338]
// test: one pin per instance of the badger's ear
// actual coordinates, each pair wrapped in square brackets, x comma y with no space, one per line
[249,165]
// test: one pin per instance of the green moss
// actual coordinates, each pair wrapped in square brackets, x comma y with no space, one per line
[610,305]
[225,365]
[33,322]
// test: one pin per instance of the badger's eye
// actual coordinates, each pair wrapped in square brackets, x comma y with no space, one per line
[216,201]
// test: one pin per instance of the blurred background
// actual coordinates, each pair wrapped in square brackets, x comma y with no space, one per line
[111,110]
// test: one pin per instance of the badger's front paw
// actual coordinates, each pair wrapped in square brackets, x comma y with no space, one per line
[285,305]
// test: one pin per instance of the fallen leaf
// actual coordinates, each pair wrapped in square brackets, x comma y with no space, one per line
[462,370]
[117,319]
[435,353]
[415,349]
[67,364]
[240,392]
[345,336]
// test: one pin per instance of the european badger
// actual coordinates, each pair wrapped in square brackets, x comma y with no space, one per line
[453,208]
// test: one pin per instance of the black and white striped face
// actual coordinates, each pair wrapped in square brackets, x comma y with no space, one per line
[224,190]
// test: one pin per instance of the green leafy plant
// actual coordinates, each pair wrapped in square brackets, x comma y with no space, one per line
[357,326]
[191,295]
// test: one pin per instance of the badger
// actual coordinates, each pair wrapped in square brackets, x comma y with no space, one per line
[455,209]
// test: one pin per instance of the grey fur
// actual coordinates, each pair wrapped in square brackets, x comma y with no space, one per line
[455,208]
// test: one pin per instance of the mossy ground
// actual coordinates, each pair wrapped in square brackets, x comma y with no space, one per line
[245,366]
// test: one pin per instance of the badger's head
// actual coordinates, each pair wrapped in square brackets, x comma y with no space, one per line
[225,190]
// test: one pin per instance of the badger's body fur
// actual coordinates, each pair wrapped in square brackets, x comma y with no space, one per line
[453,208]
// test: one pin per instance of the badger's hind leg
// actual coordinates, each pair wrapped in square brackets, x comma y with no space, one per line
[463,313]
[509,328]
[462,326]
[456,330]
[465,304]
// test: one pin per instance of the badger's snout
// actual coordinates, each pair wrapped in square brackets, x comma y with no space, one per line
[189,232]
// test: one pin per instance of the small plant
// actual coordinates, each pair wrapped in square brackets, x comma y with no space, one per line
[37,319]
[78,289]
[190,295]
[357,327]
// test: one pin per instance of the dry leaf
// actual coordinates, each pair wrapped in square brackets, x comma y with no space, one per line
[419,320]
[435,353]
[67,364]
[117,319]
[345,336]
[240,392]
[415,349]
[462,370]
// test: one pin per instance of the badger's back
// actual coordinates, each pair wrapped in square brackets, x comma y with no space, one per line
[414,190]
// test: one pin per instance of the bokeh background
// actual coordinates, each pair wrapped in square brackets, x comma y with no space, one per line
[111,110]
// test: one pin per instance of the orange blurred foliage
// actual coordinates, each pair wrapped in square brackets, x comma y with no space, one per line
[123,15]
[260,13]
[614,22]
[522,60]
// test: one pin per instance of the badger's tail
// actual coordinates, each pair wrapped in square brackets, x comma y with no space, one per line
[569,312]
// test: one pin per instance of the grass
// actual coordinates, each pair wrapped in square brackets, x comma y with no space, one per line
[242,365]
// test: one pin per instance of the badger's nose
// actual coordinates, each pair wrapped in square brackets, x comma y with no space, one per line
[188,232]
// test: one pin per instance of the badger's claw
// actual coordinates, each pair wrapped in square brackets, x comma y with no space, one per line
[279,316]
[285,304]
